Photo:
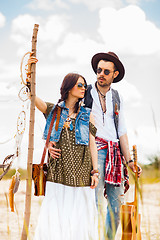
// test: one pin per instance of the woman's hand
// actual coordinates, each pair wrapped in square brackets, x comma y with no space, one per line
[54,152]
[94,181]
[32,59]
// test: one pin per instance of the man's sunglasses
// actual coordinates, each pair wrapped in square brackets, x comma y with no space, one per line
[106,71]
[81,85]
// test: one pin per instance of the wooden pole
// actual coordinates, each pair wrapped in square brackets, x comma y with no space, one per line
[31,141]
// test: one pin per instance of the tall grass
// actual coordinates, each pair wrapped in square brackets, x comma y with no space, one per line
[12,171]
[150,175]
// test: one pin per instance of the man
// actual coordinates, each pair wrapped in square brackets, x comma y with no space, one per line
[111,137]
[107,109]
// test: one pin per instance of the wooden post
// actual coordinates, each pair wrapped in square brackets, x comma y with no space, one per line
[31,141]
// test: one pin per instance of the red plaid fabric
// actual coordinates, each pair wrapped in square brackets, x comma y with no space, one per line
[113,166]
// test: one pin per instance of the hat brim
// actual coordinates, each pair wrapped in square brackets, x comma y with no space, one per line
[105,56]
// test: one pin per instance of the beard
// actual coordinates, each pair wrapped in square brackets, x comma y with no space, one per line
[103,84]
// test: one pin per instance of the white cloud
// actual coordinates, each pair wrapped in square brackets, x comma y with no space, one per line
[9,72]
[147,141]
[54,27]
[125,30]
[133,1]
[2,20]
[130,93]
[128,31]
[51,30]
[94,4]
[7,90]
[22,28]
[47,5]
[78,47]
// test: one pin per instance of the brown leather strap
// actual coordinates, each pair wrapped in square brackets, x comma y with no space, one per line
[48,136]
[58,118]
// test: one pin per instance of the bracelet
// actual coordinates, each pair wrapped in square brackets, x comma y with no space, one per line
[130,161]
[94,171]
[96,175]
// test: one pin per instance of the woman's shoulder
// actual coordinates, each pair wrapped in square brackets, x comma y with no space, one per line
[85,109]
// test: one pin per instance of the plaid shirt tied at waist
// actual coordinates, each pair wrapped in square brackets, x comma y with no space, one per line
[113,165]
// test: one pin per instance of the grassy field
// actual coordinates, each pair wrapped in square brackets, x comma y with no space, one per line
[11,172]
[149,174]
[149,207]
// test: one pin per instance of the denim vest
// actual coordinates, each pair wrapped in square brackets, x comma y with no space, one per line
[81,125]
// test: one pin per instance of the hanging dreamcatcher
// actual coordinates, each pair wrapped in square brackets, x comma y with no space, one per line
[24,95]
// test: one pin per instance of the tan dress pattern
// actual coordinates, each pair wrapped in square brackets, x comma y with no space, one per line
[74,165]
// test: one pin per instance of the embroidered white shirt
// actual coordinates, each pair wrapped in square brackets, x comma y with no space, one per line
[106,129]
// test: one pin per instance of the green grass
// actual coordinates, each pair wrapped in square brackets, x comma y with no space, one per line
[149,175]
[11,172]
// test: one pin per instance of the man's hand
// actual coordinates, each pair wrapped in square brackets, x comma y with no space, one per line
[54,152]
[132,167]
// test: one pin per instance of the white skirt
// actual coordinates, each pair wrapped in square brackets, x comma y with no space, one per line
[67,213]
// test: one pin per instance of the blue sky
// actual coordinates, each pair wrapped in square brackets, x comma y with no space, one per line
[70,33]
[151,9]
[12,8]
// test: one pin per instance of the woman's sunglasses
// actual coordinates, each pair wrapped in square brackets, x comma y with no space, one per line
[81,85]
[106,71]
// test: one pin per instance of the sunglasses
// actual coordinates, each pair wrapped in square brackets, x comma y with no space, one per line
[81,85]
[106,71]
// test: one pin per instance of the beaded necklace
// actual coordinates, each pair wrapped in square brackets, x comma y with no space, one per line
[102,100]
[68,122]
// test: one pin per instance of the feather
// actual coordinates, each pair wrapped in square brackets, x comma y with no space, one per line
[11,194]
[16,186]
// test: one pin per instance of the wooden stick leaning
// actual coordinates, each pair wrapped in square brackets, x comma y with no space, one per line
[31,141]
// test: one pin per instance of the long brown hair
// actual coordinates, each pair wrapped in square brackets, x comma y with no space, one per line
[68,83]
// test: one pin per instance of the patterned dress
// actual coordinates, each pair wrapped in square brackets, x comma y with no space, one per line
[74,166]
[68,211]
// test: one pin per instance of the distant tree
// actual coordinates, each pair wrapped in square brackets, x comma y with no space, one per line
[155,161]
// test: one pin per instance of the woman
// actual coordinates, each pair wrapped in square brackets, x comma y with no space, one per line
[68,210]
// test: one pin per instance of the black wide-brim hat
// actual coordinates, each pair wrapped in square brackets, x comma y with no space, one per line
[112,57]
